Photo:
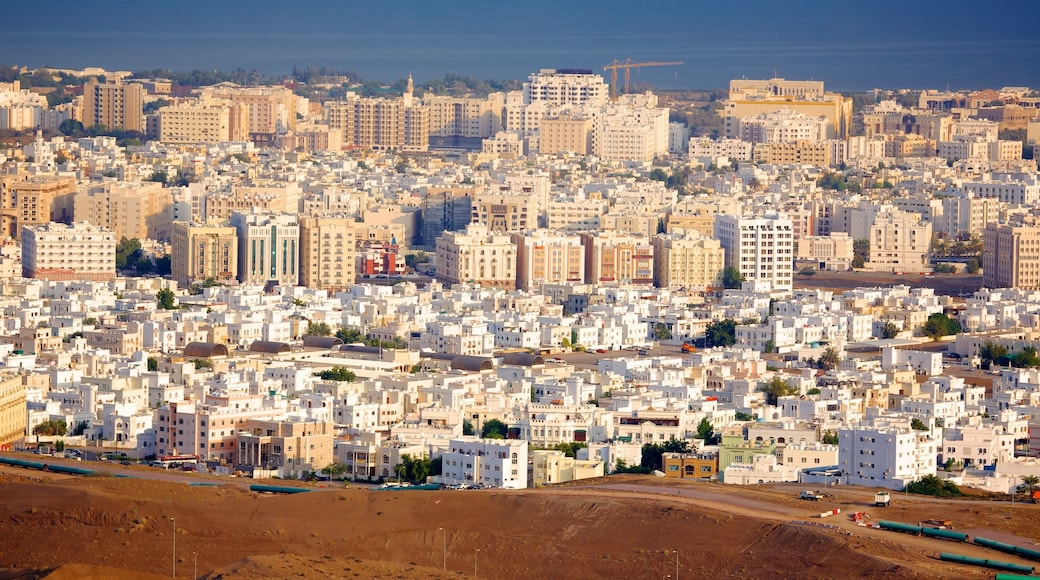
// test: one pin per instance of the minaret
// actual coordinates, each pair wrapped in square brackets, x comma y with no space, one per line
[408,92]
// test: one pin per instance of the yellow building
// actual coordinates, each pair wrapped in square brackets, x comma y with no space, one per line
[749,98]
[327,252]
[690,465]
[505,213]
[200,252]
[30,200]
[551,466]
[379,123]
[129,209]
[220,205]
[113,105]
[690,263]
[12,411]
[194,123]
[1011,256]
[565,133]
[295,446]
[267,110]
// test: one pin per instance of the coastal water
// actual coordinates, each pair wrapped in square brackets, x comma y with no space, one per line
[849,50]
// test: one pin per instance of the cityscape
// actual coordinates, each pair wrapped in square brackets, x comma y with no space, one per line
[570,325]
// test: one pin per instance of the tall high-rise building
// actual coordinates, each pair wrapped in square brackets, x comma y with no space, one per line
[1011,256]
[269,111]
[194,123]
[268,248]
[760,248]
[566,87]
[380,123]
[327,252]
[79,251]
[445,209]
[113,105]
[203,251]
[899,242]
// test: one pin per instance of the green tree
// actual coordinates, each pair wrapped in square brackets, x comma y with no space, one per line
[51,427]
[467,427]
[126,251]
[1030,483]
[918,425]
[722,333]
[974,266]
[153,364]
[202,363]
[662,332]
[318,329]
[731,278]
[166,299]
[1026,358]
[777,387]
[658,174]
[830,438]
[79,428]
[939,325]
[860,253]
[889,330]
[651,452]
[338,374]
[741,416]
[494,429]
[349,335]
[830,358]
[705,430]
[59,446]
[934,486]
[993,353]
[334,469]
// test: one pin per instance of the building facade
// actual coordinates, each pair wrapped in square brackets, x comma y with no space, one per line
[1011,256]
[200,252]
[760,248]
[687,262]
[268,248]
[476,256]
[328,252]
[80,251]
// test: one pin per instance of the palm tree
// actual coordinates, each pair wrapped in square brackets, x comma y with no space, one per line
[1030,483]
[830,358]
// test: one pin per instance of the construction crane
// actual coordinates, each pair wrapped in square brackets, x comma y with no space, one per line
[628,65]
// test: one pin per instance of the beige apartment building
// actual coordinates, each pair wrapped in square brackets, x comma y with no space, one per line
[688,262]
[545,257]
[1011,256]
[113,105]
[297,446]
[218,206]
[267,110]
[505,212]
[80,251]
[12,410]
[131,210]
[576,214]
[192,123]
[748,98]
[28,200]
[565,133]
[476,256]
[618,258]
[899,242]
[464,117]
[380,124]
[830,252]
[328,250]
[796,153]
[201,251]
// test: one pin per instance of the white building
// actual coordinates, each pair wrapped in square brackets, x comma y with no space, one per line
[268,248]
[761,248]
[886,456]
[495,463]
[80,251]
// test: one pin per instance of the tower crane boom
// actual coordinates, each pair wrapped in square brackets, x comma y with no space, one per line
[628,65]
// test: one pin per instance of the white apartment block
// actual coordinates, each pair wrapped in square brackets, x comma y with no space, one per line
[899,242]
[832,252]
[731,148]
[544,257]
[783,126]
[268,248]
[566,87]
[493,463]
[1017,190]
[476,256]
[80,251]
[978,447]
[886,456]
[688,262]
[575,214]
[761,248]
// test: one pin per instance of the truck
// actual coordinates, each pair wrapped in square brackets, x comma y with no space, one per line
[809,495]
[882,499]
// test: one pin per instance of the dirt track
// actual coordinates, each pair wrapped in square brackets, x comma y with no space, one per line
[627,526]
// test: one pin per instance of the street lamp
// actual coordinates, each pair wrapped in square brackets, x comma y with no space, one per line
[444,548]
[475,552]
[676,552]
[195,565]
[174,520]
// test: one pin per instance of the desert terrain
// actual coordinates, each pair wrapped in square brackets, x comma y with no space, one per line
[617,527]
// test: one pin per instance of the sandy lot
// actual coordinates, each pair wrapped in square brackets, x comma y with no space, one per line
[618,527]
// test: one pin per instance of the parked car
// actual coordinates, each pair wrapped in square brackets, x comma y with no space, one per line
[809,495]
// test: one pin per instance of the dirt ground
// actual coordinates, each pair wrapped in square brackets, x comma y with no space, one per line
[617,527]
[944,284]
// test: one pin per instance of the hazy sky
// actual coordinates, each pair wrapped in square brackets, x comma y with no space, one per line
[850,45]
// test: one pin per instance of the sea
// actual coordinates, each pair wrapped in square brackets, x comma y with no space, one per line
[851,47]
